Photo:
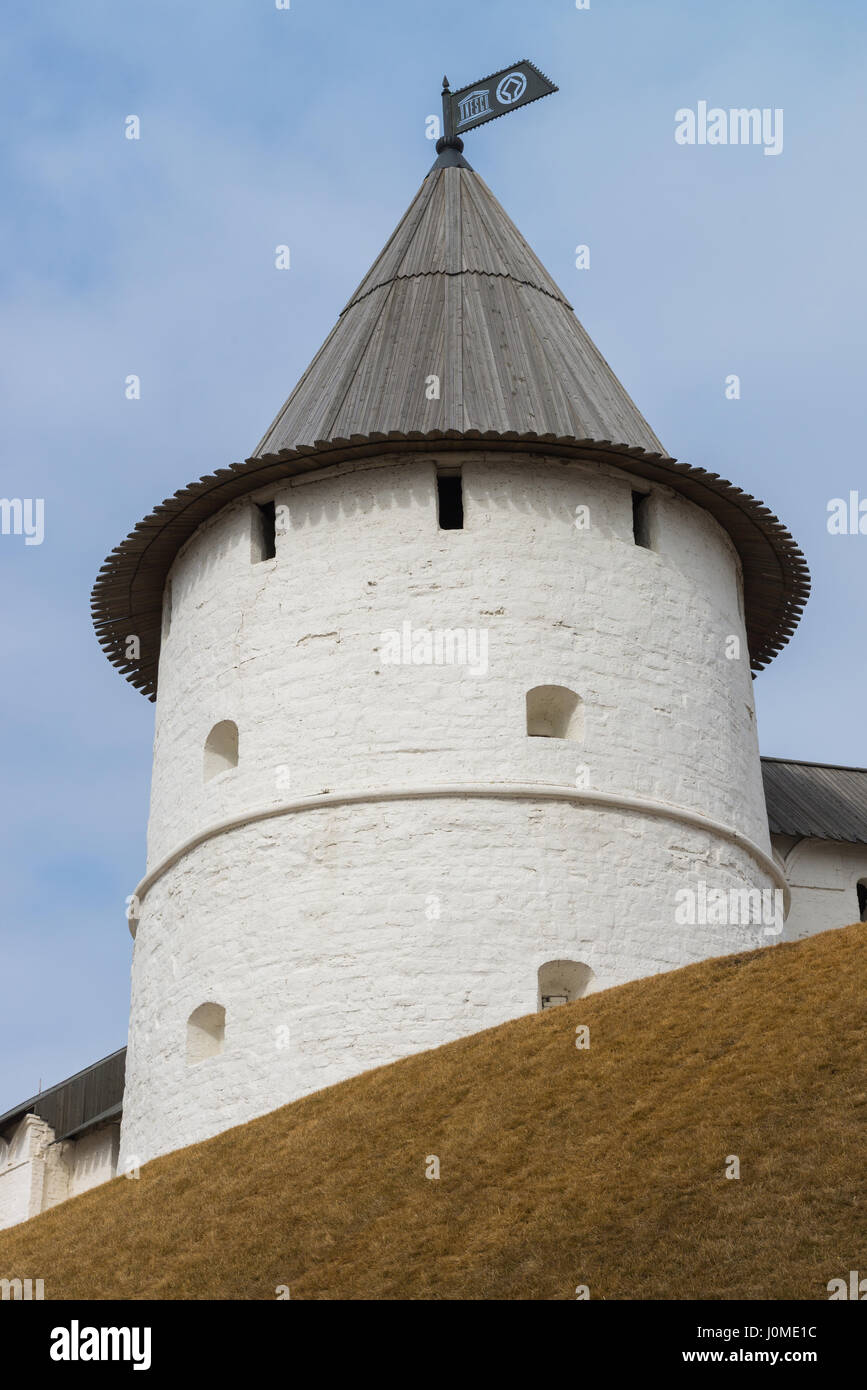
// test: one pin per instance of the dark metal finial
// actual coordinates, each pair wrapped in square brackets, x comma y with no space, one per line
[445,84]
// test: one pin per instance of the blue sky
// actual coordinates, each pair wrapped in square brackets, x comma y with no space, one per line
[306,127]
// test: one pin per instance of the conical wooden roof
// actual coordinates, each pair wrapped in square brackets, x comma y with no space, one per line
[456,294]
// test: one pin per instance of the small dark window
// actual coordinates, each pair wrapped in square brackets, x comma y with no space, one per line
[640,522]
[267,530]
[862,899]
[450,501]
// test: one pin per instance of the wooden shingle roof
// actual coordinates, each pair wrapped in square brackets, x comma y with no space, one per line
[85,1099]
[457,293]
[816,800]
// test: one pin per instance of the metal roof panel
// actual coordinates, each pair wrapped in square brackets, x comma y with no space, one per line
[816,800]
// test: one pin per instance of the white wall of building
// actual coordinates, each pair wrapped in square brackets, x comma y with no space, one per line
[92,1159]
[22,1171]
[823,876]
[36,1172]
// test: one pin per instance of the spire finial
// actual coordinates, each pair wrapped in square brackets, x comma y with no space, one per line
[449,147]
[449,142]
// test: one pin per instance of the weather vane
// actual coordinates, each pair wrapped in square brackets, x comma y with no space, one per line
[491,97]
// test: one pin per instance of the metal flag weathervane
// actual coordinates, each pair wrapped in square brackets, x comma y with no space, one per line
[493,96]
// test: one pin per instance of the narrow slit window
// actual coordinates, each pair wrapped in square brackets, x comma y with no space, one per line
[267,537]
[450,501]
[862,900]
[641,519]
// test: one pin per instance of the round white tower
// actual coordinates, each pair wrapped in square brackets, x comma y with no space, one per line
[455,715]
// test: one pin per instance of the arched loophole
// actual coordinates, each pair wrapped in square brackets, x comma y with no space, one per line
[553,711]
[221,749]
[206,1032]
[561,981]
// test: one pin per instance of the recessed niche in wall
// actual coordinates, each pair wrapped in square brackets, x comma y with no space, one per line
[561,981]
[553,711]
[221,749]
[206,1032]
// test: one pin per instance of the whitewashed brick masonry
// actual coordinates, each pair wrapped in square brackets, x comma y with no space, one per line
[341,936]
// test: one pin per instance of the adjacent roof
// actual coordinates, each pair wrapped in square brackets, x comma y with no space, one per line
[457,293]
[816,799]
[83,1100]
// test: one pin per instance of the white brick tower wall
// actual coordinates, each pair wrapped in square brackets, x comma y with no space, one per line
[394,858]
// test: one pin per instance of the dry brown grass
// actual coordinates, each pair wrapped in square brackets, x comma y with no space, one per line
[559,1167]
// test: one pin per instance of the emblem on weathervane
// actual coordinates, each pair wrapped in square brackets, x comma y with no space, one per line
[493,96]
[511,88]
